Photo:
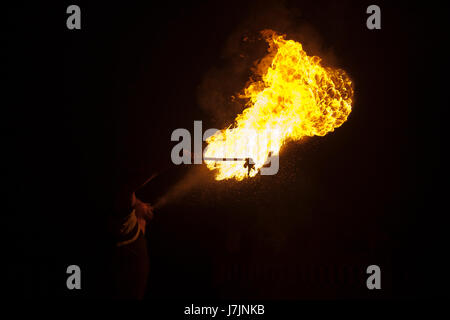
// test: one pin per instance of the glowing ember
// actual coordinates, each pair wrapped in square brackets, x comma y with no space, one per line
[297,97]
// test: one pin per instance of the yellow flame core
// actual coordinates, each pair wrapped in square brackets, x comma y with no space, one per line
[297,97]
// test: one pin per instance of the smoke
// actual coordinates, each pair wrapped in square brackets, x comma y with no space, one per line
[196,176]
[218,92]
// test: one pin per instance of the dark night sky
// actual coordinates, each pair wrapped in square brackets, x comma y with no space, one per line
[103,102]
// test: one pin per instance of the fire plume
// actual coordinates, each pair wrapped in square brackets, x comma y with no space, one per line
[294,97]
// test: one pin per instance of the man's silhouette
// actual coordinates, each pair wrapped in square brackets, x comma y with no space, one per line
[249,164]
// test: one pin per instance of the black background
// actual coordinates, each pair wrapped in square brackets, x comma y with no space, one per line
[84,107]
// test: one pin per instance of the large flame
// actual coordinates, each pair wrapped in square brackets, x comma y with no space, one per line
[297,97]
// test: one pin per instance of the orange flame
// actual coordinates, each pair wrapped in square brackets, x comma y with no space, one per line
[297,97]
